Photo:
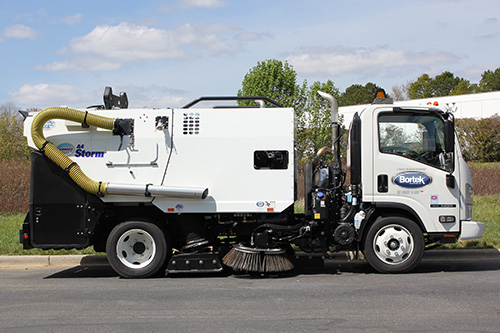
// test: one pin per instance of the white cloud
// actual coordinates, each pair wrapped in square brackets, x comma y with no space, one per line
[153,96]
[131,42]
[247,36]
[73,19]
[81,64]
[108,47]
[201,3]
[20,31]
[44,94]
[339,61]
[187,4]
[473,72]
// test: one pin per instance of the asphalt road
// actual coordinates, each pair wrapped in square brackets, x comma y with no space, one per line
[441,295]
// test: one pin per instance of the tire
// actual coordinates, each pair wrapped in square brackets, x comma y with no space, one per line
[394,245]
[137,249]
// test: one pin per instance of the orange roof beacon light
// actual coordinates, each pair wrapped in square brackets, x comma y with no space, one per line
[381,97]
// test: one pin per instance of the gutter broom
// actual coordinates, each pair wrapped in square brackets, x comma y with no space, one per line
[248,259]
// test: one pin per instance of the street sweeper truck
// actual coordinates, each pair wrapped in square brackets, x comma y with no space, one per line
[202,189]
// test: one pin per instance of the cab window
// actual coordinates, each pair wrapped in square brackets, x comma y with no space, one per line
[416,136]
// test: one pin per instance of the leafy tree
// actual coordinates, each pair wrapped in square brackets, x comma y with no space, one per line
[465,87]
[313,121]
[441,85]
[421,88]
[273,79]
[490,81]
[12,143]
[479,138]
[277,80]
[357,94]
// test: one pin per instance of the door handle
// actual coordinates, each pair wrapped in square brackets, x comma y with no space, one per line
[383,183]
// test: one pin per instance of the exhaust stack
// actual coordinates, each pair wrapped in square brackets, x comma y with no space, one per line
[335,124]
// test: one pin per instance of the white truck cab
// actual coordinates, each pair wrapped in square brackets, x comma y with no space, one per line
[411,166]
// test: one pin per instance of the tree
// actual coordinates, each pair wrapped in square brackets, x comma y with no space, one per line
[465,87]
[490,81]
[441,85]
[444,84]
[421,88]
[12,143]
[8,109]
[479,138]
[313,120]
[400,92]
[273,79]
[357,94]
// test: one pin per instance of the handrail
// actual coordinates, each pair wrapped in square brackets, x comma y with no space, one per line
[231,98]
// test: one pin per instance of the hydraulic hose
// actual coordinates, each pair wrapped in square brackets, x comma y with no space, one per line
[55,155]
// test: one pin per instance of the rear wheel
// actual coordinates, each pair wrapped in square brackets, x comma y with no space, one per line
[137,249]
[394,245]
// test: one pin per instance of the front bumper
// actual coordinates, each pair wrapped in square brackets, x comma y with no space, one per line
[472,229]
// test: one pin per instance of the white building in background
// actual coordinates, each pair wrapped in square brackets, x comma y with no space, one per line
[483,105]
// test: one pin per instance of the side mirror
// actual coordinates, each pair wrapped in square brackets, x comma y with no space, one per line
[449,136]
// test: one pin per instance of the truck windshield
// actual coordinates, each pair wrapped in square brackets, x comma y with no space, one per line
[414,135]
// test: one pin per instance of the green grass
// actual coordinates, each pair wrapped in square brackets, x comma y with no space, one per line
[484,165]
[10,224]
[486,209]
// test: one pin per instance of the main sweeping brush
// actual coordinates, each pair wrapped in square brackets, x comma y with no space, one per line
[249,259]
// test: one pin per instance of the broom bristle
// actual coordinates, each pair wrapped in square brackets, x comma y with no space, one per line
[242,258]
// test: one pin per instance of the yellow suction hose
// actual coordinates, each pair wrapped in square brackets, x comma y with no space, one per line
[55,155]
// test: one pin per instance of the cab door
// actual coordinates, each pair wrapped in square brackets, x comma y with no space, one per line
[410,167]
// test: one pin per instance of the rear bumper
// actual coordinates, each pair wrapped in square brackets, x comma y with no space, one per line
[472,229]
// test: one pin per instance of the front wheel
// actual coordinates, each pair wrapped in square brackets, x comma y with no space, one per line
[394,245]
[137,249]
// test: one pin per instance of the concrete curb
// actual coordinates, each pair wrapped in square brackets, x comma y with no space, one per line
[52,261]
[29,262]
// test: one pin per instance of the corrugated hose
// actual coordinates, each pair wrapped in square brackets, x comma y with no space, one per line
[55,155]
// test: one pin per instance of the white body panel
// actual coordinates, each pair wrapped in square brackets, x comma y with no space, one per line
[220,158]
[200,148]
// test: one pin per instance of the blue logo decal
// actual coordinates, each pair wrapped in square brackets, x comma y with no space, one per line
[412,179]
[49,125]
[81,152]
[67,148]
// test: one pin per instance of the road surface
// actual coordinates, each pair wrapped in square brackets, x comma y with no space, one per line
[441,295]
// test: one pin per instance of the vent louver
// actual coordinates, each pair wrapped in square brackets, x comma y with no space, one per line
[191,125]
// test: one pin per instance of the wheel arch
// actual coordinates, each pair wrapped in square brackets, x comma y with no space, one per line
[380,210]
[115,215]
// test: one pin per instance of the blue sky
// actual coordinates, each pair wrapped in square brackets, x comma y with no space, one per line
[167,53]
